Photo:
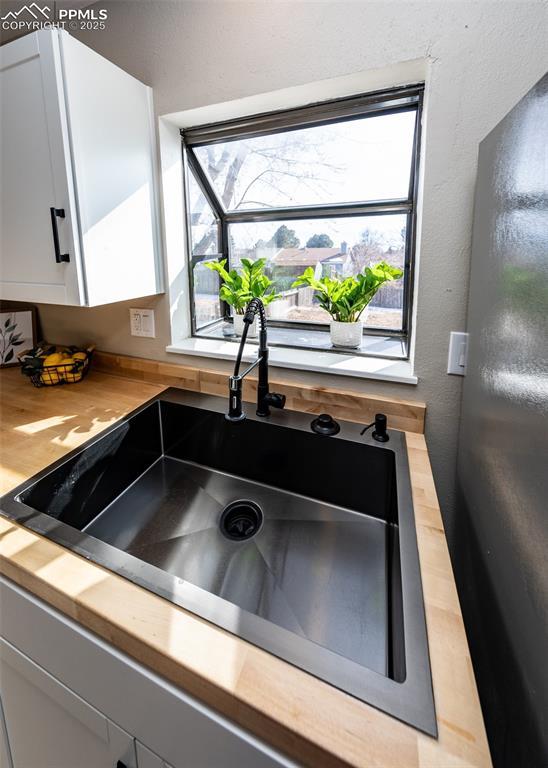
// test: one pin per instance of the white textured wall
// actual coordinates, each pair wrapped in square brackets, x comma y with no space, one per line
[485,56]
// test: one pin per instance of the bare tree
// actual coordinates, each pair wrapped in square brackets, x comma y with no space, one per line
[373,247]
[271,168]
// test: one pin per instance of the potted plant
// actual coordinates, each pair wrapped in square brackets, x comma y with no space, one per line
[345,299]
[238,288]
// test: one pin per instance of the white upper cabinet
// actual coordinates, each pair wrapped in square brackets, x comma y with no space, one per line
[78,197]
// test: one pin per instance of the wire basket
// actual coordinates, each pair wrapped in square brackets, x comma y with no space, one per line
[71,369]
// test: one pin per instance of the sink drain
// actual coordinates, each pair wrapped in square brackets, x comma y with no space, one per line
[241,520]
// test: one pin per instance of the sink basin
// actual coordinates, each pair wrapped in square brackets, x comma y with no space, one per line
[302,544]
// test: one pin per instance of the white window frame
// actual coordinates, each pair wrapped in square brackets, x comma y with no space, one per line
[174,231]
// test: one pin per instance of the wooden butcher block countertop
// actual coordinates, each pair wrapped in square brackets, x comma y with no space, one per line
[305,718]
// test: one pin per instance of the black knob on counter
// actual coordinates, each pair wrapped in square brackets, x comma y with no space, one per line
[325,425]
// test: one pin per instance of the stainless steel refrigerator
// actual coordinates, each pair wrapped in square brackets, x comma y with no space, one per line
[501,546]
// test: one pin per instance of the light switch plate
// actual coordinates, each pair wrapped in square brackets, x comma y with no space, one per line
[141,322]
[458,353]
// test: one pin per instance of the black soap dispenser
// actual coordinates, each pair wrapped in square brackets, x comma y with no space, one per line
[379,433]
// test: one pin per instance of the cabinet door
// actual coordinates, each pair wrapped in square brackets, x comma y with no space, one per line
[112,135]
[5,754]
[35,175]
[147,759]
[50,727]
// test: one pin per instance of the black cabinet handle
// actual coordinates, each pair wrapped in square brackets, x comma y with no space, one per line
[59,257]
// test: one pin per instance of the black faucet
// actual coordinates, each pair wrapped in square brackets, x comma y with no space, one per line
[265,398]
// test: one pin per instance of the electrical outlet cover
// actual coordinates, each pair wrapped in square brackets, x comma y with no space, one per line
[458,353]
[142,323]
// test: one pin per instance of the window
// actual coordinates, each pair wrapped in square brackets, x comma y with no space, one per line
[330,186]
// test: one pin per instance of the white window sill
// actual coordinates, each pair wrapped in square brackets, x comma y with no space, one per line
[377,368]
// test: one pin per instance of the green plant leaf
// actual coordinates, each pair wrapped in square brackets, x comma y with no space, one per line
[238,288]
[345,299]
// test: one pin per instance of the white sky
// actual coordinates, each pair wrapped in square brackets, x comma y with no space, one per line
[351,161]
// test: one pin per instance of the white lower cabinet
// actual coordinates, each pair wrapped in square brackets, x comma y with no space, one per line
[50,727]
[71,700]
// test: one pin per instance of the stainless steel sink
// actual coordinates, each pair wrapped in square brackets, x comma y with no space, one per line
[302,544]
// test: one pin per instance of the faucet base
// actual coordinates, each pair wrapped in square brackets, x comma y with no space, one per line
[241,417]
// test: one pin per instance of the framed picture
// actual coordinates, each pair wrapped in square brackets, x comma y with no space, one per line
[17,331]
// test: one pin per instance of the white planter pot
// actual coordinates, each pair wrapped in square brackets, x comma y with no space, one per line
[346,334]
[239,327]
